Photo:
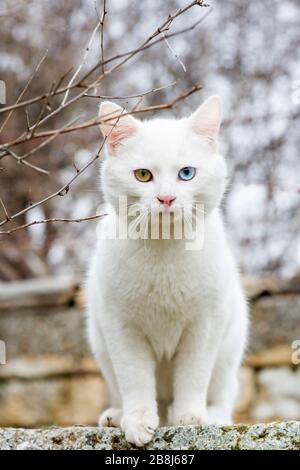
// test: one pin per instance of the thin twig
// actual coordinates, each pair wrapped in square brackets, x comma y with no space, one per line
[87,50]
[50,139]
[24,90]
[4,209]
[60,192]
[65,188]
[128,97]
[112,59]
[24,138]
[159,34]
[174,53]
[27,120]
[97,121]
[165,26]
[47,221]
[102,34]
[41,113]
[30,165]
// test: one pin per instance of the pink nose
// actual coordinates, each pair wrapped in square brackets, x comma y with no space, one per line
[166,200]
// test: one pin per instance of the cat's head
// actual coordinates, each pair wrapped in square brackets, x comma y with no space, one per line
[164,164]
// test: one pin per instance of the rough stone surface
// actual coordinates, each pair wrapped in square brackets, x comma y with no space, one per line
[274,321]
[61,329]
[46,366]
[60,400]
[39,391]
[50,378]
[285,436]
[37,292]
[44,330]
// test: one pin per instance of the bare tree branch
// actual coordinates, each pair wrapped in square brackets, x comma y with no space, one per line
[50,139]
[96,121]
[30,165]
[82,64]
[129,97]
[4,209]
[104,12]
[174,53]
[48,111]
[47,221]
[65,188]
[24,90]
[131,53]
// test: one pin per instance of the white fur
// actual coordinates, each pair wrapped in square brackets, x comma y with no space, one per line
[167,326]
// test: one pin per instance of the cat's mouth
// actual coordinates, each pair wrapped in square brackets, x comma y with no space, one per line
[156,208]
[148,211]
[135,208]
[163,209]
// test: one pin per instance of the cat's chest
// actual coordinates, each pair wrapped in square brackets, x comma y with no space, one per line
[159,291]
[162,284]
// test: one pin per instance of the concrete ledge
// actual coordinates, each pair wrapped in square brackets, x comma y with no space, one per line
[284,435]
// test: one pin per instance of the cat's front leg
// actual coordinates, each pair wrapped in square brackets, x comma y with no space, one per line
[194,363]
[134,366]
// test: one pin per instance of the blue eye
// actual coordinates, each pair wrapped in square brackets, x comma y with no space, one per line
[187,173]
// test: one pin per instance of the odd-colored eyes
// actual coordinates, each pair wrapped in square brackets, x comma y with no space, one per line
[143,175]
[187,173]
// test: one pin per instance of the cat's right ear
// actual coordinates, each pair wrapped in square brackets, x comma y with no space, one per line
[116,127]
[206,120]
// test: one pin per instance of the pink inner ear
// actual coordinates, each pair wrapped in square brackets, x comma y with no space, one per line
[117,134]
[206,129]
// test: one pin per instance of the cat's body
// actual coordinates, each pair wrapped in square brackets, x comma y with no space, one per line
[167,325]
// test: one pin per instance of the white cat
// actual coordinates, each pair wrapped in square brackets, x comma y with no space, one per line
[167,325]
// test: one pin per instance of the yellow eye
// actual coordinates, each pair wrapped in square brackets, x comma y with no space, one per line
[143,175]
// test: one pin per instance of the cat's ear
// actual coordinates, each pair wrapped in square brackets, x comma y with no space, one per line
[117,127]
[206,120]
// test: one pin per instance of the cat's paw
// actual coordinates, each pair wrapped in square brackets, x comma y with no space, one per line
[139,426]
[192,418]
[110,418]
[216,415]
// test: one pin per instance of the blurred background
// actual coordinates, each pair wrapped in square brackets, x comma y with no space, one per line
[249,53]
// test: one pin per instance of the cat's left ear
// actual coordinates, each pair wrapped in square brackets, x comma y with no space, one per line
[206,120]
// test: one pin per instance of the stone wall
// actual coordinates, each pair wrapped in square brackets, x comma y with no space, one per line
[51,378]
[277,436]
